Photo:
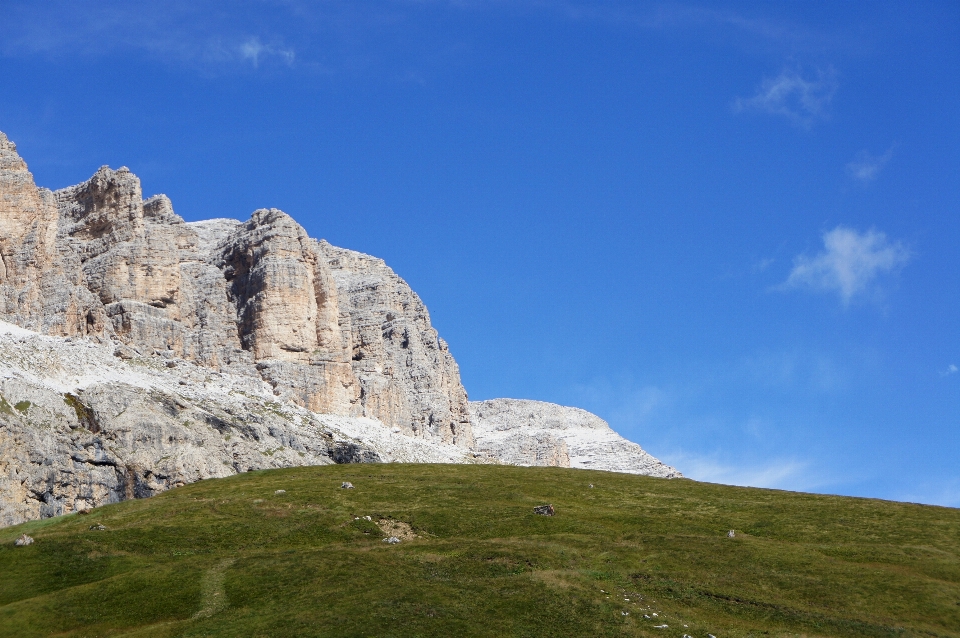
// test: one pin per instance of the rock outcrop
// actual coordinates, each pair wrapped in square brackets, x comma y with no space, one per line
[143,352]
[524,432]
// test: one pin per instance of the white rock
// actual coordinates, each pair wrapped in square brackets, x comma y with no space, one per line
[524,432]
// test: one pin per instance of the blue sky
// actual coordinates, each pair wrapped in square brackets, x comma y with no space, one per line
[730,229]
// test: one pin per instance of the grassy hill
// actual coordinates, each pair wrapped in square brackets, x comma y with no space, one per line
[231,557]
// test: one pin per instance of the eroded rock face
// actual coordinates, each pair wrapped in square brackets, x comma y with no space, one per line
[287,312]
[524,432]
[408,376]
[333,330]
[41,285]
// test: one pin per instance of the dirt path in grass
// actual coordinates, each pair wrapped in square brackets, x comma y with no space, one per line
[213,598]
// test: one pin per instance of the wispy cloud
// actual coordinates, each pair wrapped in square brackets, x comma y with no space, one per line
[781,473]
[951,369]
[850,263]
[865,167]
[945,492]
[177,32]
[802,101]
[253,50]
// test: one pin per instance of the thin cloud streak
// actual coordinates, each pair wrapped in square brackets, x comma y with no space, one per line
[850,263]
[865,167]
[799,100]
[783,473]
[178,33]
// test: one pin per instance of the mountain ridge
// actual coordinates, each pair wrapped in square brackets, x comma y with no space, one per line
[285,318]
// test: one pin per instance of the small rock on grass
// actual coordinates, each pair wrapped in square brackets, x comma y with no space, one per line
[280,491]
[23,541]
[347,485]
[98,527]
[393,540]
[544,510]
[731,534]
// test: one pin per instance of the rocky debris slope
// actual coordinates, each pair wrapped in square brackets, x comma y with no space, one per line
[83,424]
[523,432]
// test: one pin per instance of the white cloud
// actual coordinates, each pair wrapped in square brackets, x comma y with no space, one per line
[801,101]
[865,167]
[253,49]
[776,473]
[951,369]
[849,264]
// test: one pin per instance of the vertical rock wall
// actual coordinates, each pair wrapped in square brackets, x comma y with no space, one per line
[41,285]
[408,377]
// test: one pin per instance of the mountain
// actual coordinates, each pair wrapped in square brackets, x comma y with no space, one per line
[141,352]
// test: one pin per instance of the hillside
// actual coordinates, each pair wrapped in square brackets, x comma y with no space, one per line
[622,555]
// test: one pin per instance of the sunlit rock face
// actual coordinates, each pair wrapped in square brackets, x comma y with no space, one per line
[41,284]
[258,297]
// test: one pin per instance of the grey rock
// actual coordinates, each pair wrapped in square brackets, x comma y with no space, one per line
[23,540]
[346,485]
[393,540]
[544,510]
[100,429]
[524,432]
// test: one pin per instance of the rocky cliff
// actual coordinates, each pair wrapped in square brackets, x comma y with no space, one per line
[259,297]
[172,351]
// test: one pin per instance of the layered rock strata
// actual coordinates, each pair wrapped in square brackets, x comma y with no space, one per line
[524,432]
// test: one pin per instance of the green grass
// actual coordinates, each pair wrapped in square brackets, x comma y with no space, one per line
[229,557]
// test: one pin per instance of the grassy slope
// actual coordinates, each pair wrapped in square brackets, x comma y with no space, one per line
[231,558]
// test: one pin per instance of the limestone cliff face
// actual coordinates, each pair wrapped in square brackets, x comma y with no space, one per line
[408,376]
[334,331]
[41,285]
[142,352]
